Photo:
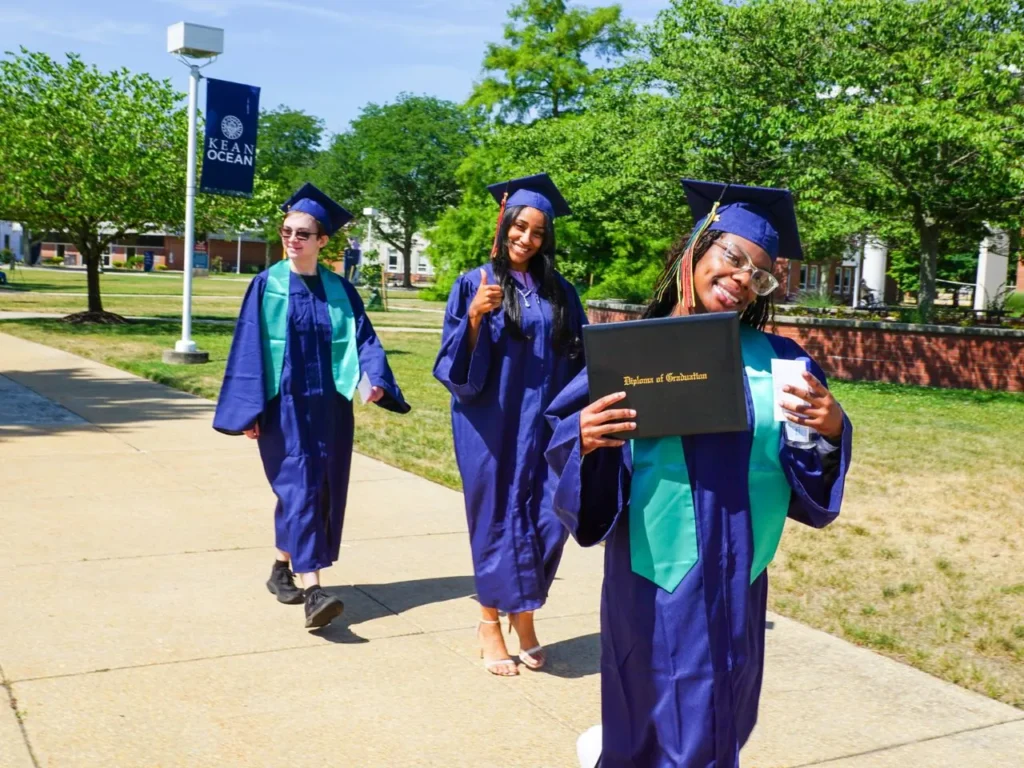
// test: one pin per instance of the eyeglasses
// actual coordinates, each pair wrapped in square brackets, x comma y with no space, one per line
[302,235]
[730,254]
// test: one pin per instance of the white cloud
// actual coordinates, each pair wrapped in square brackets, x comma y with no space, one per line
[105,31]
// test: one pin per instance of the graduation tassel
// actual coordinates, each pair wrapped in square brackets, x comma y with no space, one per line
[497,228]
[682,272]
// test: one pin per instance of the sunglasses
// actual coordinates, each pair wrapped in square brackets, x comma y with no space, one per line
[731,255]
[302,235]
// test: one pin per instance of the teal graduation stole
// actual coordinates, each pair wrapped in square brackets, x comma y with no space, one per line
[662,527]
[274,327]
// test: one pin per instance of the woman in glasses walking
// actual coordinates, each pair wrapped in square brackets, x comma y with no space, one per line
[303,347]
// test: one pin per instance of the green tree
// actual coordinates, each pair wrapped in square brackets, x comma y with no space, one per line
[542,70]
[925,118]
[91,154]
[401,159]
[877,113]
[289,144]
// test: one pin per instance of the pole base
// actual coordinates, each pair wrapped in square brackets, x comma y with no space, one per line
[174,357]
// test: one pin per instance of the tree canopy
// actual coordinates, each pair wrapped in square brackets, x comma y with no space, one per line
[541,70]
[88,153]
[400,159]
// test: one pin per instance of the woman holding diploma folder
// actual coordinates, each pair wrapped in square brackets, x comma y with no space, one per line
[303,347]
[691,523]
[511,342]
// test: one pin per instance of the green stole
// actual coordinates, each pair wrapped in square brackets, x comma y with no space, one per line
[662,526]
[274,327]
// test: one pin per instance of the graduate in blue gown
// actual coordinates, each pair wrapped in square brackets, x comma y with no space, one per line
[691,523]
[512,340]
[303,346]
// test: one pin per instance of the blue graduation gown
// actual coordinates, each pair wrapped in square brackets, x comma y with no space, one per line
[681,671]
[500,391]
[306,431]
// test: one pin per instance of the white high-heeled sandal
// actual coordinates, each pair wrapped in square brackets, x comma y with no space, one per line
[527,655]
[491,666]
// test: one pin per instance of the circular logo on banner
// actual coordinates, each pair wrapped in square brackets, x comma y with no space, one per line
[231,127]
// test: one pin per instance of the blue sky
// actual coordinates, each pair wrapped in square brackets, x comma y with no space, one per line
[328,58]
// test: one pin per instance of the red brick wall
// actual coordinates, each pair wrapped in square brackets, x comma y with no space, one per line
[936,359]
[933,356]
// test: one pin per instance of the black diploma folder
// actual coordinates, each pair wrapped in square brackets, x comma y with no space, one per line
[682,375]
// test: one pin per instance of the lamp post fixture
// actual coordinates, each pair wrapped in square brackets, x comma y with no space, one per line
[191,43]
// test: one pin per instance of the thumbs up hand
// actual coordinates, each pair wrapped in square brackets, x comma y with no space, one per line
[488,298]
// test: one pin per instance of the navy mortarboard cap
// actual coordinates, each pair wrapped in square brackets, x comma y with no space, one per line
[537,192]
[311,200]
[762,215]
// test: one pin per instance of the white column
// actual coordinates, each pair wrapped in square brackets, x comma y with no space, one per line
[185,343]
[876,261]
[993,264]
[238,260]
[857,273]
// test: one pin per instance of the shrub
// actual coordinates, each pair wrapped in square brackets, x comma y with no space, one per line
[627,279]
[1015,304]
[370,272]
[161,267]
[54,261]
[134,262]
[814,299]
[6,256]
[216,265]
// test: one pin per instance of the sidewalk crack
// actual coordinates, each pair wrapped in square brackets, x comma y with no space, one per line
[12,700]
[898,745]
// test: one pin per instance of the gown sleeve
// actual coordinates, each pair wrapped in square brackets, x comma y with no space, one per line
[818,478]
[242,398]
[592,491]
[461,369]
[373,360]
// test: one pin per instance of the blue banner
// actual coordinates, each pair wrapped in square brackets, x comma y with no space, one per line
[229,147]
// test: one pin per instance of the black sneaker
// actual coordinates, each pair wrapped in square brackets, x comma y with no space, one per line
[282,584]
[321,608]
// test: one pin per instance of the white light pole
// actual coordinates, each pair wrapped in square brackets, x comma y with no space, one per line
[189,42]
[370,213]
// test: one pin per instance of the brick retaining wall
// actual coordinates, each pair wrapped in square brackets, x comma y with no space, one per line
[926,355]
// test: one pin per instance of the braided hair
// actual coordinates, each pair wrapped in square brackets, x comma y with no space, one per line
[758,315]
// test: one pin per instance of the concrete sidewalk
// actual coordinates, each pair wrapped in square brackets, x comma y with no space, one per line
[135,628]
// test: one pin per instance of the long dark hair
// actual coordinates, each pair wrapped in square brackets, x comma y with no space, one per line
[564,337]
[757,315]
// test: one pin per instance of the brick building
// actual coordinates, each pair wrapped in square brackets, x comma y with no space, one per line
[169,251]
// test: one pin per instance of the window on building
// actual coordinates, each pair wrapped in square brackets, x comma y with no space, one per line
[60,250]
[422,265]
[803,277]
[842,284]
[392,260]
[812,277]
[7,242]
[130,251]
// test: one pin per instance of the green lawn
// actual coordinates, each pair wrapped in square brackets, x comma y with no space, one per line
[420,442]
[141,295]
[923,565]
